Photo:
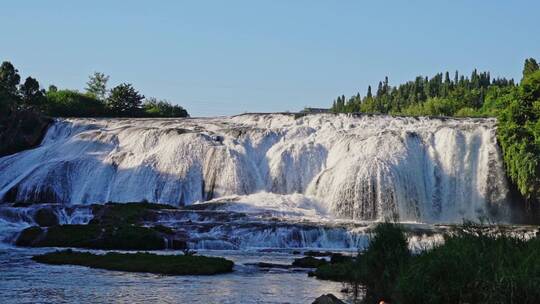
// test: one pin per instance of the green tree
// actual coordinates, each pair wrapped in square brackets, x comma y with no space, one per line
[530,67]
[97,85]
[31,95]
[124,100]
[162,108]
[9,78]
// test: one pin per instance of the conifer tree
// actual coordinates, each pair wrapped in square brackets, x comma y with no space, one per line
[125,100]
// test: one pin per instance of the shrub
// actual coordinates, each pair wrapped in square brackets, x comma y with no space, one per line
[162,108]
[379,266]
[341,272]
[376,269]
[65,103]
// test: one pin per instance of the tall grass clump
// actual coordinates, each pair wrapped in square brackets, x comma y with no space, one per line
[476,264]
[474,267]
[377,268]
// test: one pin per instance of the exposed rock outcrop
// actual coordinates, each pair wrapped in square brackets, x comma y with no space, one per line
[21,130]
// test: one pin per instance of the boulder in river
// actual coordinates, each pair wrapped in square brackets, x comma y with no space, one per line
[46,217]
[328,299]
[308,262]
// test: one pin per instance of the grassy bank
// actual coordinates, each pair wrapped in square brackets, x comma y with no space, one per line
[140,262]
[470,267]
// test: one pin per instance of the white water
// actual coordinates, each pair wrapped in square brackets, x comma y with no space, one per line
[360,167]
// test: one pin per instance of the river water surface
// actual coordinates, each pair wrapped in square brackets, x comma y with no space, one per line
[25,281]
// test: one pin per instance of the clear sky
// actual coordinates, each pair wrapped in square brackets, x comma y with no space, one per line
[227,57]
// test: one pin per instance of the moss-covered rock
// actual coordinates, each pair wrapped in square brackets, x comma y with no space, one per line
[140,262]
[29,236]
[46,217]
[114,226]
[123,237]
[126,213]
[308,262]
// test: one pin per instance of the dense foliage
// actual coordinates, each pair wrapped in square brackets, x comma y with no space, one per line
[161,108]
[474,265]
[519,136]
[517,107]
[65,103]
[97,101]
[440,95]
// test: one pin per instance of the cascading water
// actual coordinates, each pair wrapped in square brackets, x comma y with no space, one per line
[350,166]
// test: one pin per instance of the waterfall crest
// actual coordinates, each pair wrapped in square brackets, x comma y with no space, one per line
[354,166]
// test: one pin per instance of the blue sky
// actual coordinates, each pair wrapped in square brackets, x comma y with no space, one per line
[228,57]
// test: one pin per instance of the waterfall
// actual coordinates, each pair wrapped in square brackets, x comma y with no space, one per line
[361,167]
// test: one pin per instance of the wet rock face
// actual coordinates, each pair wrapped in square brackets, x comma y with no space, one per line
[46,217]
[22,130]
